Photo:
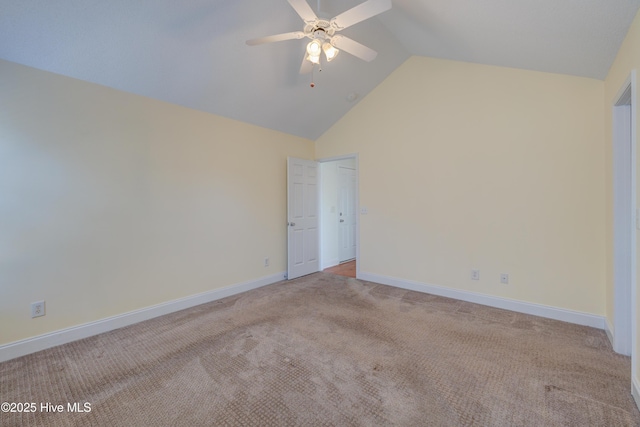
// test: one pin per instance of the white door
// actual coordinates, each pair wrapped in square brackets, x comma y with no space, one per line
[347,213]
[302,225]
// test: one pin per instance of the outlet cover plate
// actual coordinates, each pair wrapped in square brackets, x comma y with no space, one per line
[37,309]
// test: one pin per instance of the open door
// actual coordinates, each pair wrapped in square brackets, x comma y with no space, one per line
[303,218]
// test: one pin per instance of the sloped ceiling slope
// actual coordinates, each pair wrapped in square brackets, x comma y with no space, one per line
[193,52]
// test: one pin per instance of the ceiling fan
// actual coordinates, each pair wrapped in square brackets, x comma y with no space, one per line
[323,32]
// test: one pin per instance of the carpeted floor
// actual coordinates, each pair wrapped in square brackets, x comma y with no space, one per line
[326,350]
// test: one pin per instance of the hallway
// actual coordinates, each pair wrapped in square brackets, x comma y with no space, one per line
[347,269]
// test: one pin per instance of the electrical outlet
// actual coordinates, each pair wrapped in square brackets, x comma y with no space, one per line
[475,274]
[37,309]
[504,278]
[266,262]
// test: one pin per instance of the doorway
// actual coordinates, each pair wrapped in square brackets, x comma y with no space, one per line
[338,215]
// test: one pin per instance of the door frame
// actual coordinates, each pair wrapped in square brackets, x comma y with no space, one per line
[623,331]
[357,203]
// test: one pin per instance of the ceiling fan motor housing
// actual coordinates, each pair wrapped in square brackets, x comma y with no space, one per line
[319,29]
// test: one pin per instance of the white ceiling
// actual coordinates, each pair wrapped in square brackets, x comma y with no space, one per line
[193,52]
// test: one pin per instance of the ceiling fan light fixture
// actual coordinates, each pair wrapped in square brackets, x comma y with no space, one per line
[314,47]
[322,32]
[329,51]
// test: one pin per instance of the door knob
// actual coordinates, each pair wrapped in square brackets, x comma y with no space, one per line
[342,220]
[291,224]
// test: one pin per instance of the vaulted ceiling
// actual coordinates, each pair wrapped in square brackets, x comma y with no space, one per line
[193,52]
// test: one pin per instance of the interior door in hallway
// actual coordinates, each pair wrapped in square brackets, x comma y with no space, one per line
[303,218]
[347,213]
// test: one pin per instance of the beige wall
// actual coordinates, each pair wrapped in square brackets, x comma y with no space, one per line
[628,59]
[113,202]
[470,166]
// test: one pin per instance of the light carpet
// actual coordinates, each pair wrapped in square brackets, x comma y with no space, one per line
[325,350]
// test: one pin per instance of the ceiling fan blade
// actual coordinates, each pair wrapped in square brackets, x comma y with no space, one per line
[306,66]
[276,38]
[354,48]
[360,12]
[304,10]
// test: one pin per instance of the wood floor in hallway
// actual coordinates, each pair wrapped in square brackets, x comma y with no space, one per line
[347,269]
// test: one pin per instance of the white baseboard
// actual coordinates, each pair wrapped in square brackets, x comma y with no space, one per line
[63,336]
[555,313]
[635,390]
[608,328]
[330,263]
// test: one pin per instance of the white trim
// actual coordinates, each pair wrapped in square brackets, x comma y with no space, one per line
[635,391]
[624,213]
[63,336]
[555,313]
[336,158]
[321,215]
[357,157]
[634,234]
[608,328]
[331,263]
